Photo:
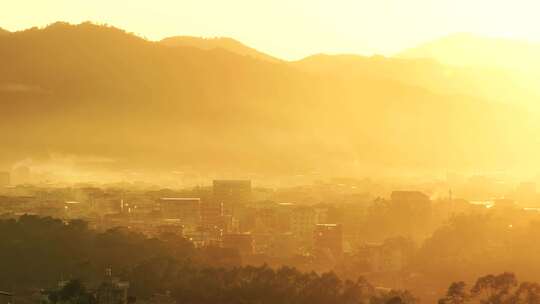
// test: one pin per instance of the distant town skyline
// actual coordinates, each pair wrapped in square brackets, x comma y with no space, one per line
[293,29]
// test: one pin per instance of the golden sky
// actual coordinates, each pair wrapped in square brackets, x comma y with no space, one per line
[293,29]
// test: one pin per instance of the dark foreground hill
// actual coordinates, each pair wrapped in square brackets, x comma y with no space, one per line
[98,91]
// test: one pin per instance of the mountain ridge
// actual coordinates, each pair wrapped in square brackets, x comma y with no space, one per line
[225,43]
[465,49]
[112,95]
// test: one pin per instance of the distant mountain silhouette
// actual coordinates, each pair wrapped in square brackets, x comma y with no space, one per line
[98,91]
[423,72]
[474,50]
[228,44]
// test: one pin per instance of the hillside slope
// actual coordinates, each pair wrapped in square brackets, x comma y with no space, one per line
[473,50]
[99,92]
[228,44]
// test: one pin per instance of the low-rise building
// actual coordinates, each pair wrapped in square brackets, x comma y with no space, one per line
[243,242]
[328,238]
[187,210]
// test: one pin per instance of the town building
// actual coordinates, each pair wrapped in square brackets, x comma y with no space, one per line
[383,257]
[243,242]
[211,214]
[187,210]
[303,220]
[232,194]
[112,290]
[328,238]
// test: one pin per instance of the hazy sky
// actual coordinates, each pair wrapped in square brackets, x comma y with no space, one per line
[293,28]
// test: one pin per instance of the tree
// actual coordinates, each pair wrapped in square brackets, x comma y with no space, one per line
[494,289]
[73,292]
[456,294]
[526,293]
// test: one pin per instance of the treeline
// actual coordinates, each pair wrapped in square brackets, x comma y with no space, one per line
[471,245]
[497,289]
[262,285]
[464,247]
[36,253]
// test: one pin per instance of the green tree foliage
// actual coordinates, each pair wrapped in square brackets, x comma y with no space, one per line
[285,285]
[73,292]
[456,294]
[36,252]
[493,289]
[387,219]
